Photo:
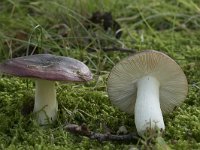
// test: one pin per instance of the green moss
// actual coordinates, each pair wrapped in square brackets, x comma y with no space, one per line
[168,26]
[77,104]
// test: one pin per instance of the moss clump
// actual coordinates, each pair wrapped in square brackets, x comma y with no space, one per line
[168,26]
[77,104]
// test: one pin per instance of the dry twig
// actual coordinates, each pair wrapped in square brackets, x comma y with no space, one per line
[108,49]
[84,131]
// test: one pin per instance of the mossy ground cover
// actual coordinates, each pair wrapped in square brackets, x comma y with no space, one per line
[32,26]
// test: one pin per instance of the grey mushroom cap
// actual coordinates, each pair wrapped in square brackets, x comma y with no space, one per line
[122,81]
[47,67]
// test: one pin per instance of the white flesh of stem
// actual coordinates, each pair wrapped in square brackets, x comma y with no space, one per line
[147,108]
[45,101]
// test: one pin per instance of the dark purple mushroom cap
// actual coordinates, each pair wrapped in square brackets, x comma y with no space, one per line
[47,67]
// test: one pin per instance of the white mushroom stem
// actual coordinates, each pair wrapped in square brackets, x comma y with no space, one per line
[46,104]
[147,108]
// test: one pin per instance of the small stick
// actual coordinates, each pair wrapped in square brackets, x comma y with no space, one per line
[107,49]
[84,131]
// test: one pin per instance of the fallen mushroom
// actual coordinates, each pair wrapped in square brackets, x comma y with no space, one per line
[45,69]
[147,84]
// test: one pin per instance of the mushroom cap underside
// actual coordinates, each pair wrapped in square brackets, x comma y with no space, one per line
[122,81]
[47,67]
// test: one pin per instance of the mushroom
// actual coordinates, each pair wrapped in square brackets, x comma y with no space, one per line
[147,84]
[45,69]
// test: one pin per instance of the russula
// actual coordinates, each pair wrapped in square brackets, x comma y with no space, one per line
[45,69]
[147,84]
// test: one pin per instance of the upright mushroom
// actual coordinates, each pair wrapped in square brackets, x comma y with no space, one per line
[45,69]
[147,84]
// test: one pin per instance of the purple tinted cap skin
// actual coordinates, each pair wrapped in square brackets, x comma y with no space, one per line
[47,67]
